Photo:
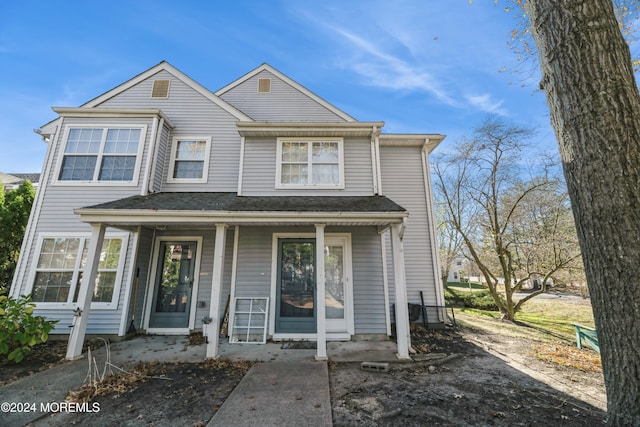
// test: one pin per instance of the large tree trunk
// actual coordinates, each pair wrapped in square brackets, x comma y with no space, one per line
[595,111]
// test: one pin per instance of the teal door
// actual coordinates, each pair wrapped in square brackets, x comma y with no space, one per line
[171,304]
[296,286]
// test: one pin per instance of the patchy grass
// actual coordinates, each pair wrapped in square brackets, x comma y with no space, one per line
[469,285]
[548,321]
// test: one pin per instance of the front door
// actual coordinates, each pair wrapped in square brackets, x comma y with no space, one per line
[296,286]
[174,282]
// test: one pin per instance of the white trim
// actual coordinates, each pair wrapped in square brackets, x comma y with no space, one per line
[56,181]
[241,166]
[128,286]
[402,312]
[115,299]
[321,292]
[165,66]
[288,80]
[205,166]
[217,282]
[385,281]
[164,217]
[152,282]
[234,276]
[30,232]
[111,113]
[309,141]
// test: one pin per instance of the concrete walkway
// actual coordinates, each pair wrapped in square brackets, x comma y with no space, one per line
[279,394]
[288,388]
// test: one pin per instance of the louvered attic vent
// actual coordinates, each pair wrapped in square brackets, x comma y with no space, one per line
[160,89]
[264,85]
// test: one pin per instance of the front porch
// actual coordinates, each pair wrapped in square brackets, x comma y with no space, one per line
[251,254]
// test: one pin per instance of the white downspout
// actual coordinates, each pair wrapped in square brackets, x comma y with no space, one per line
[150,167]
[241,167]
[374,160]
[435,257]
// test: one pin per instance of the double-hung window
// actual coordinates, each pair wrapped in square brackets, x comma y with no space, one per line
[310,163]
[61,263]
[101,154]
[189,159]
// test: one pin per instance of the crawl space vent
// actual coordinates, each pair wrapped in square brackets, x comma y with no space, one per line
[264,85]
[160,89]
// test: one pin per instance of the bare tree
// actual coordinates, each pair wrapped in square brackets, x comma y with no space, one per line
[509,212]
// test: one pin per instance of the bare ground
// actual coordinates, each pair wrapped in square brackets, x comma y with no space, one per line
[468,378]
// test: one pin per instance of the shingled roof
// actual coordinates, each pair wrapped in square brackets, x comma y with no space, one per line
[231,202]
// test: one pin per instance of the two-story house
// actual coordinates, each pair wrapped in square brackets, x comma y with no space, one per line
[163,205]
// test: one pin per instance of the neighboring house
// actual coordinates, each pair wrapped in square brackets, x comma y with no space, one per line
[160,201]
[14,180]
[458,270]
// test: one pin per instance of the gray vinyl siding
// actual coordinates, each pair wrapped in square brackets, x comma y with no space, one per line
[403,182]
[192,115]
[161,160]
[368,285]
[283,104]
[259,176]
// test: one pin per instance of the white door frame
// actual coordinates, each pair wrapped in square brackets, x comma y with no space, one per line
[152,285]
[330,238]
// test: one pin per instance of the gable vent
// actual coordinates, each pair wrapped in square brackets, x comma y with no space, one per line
[264,85]
[160,89]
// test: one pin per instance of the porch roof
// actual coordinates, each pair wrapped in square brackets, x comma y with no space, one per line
[207,207]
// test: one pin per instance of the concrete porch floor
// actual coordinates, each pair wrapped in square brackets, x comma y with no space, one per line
[167,348]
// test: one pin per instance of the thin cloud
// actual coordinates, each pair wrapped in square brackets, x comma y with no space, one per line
[385,70]
[486,104]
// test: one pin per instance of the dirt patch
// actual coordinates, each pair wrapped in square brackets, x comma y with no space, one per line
[40,357]
[186,394]
[473,379]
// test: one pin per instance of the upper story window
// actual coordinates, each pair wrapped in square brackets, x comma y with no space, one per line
[61,263]
[101,154]
[189,159]
[310,163]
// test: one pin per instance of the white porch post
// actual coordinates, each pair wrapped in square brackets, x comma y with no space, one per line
[85,295]
[213,332]
[321,326]
[402,311]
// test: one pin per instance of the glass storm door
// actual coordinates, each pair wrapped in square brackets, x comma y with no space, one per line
[174,282]
[336,282]
[296,286]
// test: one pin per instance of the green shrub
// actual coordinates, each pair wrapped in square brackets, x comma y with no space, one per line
[481,300]
[19,328]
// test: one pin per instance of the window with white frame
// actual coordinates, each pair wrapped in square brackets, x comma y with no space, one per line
[189,159]
[101,154]
[310,163]
[61,264]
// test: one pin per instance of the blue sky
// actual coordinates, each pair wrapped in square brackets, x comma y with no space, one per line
[422,66]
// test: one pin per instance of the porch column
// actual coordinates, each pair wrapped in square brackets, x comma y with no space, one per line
[85,294]
[213,333]
[402,310]
[321,326]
